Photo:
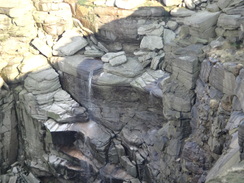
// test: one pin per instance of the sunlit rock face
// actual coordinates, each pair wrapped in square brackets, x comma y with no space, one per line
[135,92]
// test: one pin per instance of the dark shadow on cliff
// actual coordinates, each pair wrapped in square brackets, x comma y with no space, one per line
[117,28]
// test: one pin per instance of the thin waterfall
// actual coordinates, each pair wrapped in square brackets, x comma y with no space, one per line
[89,92]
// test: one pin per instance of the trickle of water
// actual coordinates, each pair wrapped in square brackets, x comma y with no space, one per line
[89,92]
[90,83]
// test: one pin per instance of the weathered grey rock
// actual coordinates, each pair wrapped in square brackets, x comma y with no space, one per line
[77,65]
[156,61]
[223,4]
[151,42]
[172,2]
[130,168]
[93,53]
[113,154]
[111,79]
[181,12]
[172,25]
[229,22]
[202,24]
[190,4]
[151,30]
[64,109]
[128,4]
[225,162]
[147,80]
[186,70]
[222,80]
[115,59]
[145,57]
[102,47]
[42,47]
[213,7]
[98,139]
[235,120]
[69,44]
[130,69]
[169,36]
[190,156]
[8,131]
[42,82]
[240,87]
[176,97]
[205,70]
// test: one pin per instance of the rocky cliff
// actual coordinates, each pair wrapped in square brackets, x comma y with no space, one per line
[120,91]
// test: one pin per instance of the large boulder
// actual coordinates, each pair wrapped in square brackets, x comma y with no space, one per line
[229,22]
[202,24]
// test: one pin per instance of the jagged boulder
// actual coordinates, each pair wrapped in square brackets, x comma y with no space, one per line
[151,42]
[70,43]
[202,24]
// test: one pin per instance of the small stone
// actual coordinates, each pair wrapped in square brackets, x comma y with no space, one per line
[130,168]
[169,36]
[172,25]
[212,7]
[156,61]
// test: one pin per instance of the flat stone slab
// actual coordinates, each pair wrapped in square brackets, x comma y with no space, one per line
[69,44]
[115,58]
[151,30]
[130,69]
[77,65]
[181,12]
[110,79]
[149,81]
